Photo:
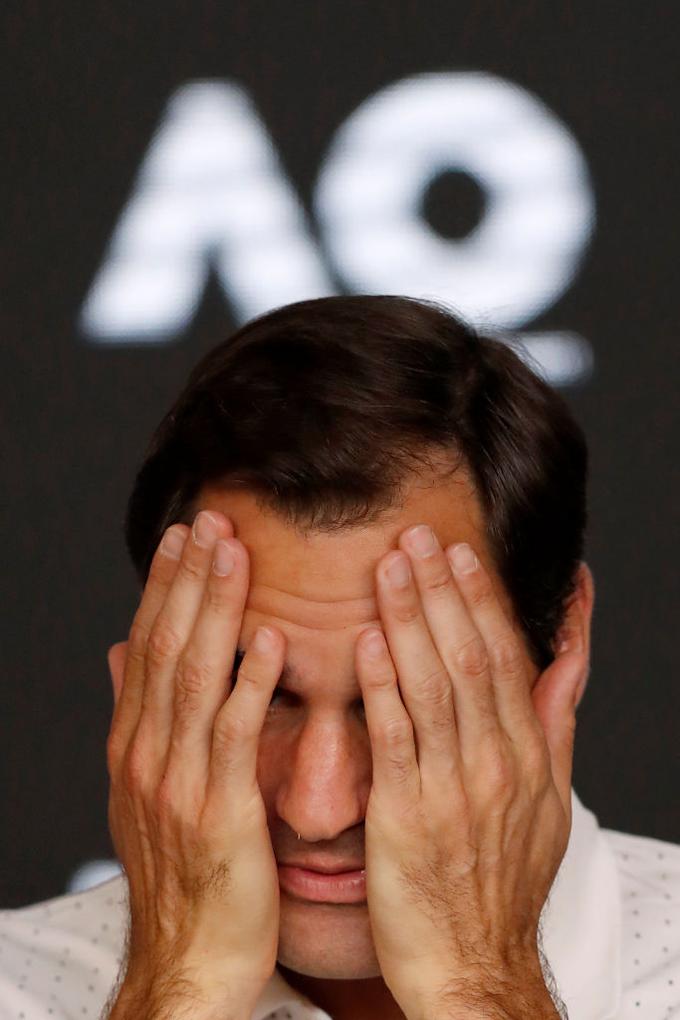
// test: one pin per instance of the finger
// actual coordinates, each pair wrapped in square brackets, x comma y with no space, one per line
[395,764]
[424,683]
[116,659]
[458,642]
[171,630]
[203,679]
[506,664]
[238,724]
[164,565]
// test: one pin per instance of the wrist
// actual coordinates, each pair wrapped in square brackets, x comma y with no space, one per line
[487,995]
[488,1006]
[178,997]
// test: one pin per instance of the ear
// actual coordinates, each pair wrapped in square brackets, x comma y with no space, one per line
[116,656]
[575,628]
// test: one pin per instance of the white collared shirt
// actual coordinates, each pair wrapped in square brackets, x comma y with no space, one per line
[611,934]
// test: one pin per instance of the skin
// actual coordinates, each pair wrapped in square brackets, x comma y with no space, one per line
[314,758]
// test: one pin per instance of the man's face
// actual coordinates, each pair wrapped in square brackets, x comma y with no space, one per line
[314,760]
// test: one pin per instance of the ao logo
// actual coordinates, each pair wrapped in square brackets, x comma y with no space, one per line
[212,191]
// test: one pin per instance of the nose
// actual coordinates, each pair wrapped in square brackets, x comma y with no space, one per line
[326,780]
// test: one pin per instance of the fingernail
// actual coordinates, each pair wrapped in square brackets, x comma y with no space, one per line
[263,639]
[173,543]
[399,572]
[223,560]
[204,530]
[463,559]
[422,540]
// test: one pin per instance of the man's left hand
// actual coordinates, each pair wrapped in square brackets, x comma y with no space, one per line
[469,813]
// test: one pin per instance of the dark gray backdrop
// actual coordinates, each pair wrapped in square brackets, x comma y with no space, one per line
[85,86]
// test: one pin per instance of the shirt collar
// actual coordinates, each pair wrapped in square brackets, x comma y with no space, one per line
[581,924]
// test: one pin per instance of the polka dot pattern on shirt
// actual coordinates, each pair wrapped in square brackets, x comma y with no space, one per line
[650,883]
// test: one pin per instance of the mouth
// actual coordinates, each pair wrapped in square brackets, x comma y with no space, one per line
[323,886]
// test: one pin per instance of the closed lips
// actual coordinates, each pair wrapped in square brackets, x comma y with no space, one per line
[324,868]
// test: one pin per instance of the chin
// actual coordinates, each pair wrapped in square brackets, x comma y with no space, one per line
[324,940]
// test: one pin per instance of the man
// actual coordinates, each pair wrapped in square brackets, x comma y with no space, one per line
[342,739]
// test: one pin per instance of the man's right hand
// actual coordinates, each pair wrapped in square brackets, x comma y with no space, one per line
[185,809]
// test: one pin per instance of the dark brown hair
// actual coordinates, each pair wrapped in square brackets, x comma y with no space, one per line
[324,408]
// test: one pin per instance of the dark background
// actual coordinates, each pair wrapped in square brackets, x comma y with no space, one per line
[84,87]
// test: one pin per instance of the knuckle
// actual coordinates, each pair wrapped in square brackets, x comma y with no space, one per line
[135,769]
[471,658]
[115,751]
[439,726]
[249,678]
[395,733]
[399,767]
[191,570]
[137,641]
[382,678]
[438,583]
[193,679]
[500,770]
[487,713]
[435,688]
[186,706]
[505,655]
[395,737]
[164,644]
[216,599]
[479,594]
[406,612]
[228,735]
[231,730]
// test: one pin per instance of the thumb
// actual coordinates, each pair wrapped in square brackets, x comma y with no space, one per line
[116,658]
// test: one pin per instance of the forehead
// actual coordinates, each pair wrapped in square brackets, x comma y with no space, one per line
[328,580]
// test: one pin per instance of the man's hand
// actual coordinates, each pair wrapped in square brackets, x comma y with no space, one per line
[469,813]
[185,810]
